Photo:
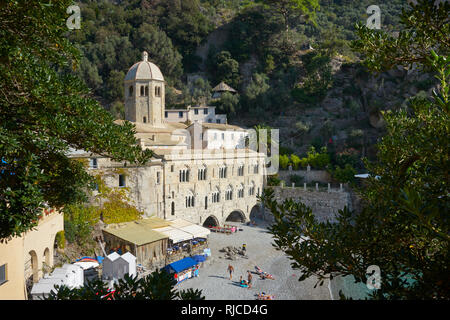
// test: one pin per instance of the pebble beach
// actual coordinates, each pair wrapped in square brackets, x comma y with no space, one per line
[215,283]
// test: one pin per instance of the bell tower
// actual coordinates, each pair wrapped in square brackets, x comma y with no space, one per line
[145,93]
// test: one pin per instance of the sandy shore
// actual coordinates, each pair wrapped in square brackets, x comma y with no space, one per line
[214,279]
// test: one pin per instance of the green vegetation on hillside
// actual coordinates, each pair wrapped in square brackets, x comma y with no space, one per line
[403,225]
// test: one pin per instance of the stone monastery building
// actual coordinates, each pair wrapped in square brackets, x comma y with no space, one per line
[201,172]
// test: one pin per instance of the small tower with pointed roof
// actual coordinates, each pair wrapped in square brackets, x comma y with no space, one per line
[144,93]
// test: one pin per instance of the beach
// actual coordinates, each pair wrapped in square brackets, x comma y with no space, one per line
[215,283]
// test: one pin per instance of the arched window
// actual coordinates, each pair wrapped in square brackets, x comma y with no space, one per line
[184,175]
[223,172]
[241,170]
[229,193]
[215,197]
[241,191]
[130,91]
[146,91]
[142,90]
[202,174]
[251,190]
[190,201]
[158,91]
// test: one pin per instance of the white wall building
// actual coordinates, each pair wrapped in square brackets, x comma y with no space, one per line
[195,114]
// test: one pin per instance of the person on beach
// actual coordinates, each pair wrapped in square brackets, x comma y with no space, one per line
[230,270]
[249,279]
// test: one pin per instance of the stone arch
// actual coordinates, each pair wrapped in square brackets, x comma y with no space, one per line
[211,221]
[236,216]
[46,261]
[255,213]
[34,266]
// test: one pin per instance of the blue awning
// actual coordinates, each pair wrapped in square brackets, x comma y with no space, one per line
[199,258]
[182,264]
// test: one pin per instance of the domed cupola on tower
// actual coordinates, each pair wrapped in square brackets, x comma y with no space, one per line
[144,93]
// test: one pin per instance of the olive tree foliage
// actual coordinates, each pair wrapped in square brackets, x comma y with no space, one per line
[44,111]
[424,27]
[290,8]
[158,285]
[403,225]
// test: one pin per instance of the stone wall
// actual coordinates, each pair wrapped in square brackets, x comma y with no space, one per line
[156,189]
[308,176]
[324,204]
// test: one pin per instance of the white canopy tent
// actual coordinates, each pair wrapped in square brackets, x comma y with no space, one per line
[175,234]
[194,230]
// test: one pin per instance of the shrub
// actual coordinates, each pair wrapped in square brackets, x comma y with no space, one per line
[60,239]
[303,127]
[318,160]
[295,161]
[117,210]
[284,161]
[273,180]
[346,174]
[348,156]
[78,223]
[295,178]
[355,138]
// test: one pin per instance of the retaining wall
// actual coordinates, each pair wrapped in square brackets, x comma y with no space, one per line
[308,176]
[324,203]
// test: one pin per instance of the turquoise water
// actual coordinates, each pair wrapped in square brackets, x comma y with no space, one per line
[356,291]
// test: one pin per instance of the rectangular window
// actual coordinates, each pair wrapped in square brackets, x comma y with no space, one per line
[180,114]
[3,278]
[223,136]
[223,172]
[93,163]
[205,111]
[195,111]
[172,168]
[218,121]
[158,177]
[166,114]
[121,180]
